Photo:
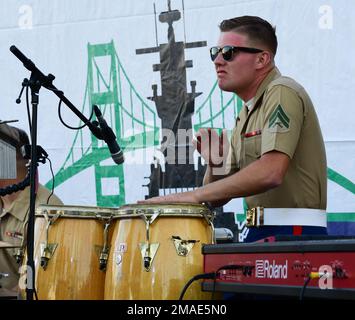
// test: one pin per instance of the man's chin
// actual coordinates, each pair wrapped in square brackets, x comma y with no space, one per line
[225,87]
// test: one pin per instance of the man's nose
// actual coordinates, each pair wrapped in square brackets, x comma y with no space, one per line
[219,60]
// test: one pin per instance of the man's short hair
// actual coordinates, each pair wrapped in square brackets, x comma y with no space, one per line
[256,28]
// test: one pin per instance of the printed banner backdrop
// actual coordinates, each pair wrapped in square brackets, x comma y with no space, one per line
[115,54]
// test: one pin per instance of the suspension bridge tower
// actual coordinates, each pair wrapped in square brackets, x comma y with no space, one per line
[108,102]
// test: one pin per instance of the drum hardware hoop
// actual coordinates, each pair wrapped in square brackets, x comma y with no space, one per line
[134,215]
[72,215]
[77,209]
[103,219]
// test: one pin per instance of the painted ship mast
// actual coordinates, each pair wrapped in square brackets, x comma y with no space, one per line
[175,107]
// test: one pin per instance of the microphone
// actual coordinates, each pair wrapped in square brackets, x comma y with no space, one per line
[28,64]
[109,137]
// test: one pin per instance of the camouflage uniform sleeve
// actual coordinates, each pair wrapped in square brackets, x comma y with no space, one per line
[283,120]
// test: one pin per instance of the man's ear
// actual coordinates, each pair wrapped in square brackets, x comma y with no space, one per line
[264,58]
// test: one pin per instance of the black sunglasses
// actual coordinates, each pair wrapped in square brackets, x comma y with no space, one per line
[227,51]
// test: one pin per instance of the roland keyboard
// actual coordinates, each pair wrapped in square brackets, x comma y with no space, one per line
[311,268]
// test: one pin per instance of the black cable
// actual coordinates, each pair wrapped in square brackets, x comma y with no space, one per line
[228,267]
[52,190]
[307,282]
[214,284]
[304,287]
[210,275]
[68,126]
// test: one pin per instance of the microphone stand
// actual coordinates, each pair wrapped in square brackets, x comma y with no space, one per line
[37,80]
[35,86]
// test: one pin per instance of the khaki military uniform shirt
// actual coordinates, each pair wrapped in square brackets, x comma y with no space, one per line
[283,119]
[13,224]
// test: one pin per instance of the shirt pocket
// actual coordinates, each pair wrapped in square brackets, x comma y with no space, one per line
[252,146]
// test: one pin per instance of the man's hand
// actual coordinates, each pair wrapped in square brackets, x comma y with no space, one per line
[185,197]
[213,148]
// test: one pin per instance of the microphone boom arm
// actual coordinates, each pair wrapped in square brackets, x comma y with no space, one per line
[46,81]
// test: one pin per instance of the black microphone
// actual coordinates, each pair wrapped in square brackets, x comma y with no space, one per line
[28,64]
[109,137]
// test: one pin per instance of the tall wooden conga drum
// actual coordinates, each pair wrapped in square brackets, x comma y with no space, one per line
[71,247]
[156,250]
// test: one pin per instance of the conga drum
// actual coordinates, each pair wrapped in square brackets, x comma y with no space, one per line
[156,250]
[71,247]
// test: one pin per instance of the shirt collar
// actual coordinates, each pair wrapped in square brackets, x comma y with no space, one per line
[249,104]
[273,74]
[19,207]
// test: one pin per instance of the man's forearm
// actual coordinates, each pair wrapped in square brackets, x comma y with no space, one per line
[258,177]
[213,174]
[209,177]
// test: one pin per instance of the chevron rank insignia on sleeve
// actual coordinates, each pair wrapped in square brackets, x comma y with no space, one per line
[279,120]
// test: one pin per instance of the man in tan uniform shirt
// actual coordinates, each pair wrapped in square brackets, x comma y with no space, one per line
[276,158]
[285,121]
[14,210]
